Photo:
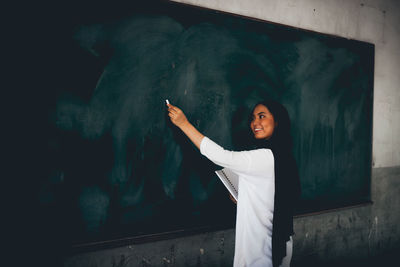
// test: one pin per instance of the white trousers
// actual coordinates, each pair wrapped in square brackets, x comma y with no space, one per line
[289,251]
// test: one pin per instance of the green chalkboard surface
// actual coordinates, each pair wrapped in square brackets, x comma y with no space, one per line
[117,167]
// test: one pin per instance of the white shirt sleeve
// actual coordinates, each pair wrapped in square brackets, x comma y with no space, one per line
[254,162]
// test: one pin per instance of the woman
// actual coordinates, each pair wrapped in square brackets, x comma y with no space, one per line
[268,184]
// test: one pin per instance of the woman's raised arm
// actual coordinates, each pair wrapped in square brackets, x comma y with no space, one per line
[255,162]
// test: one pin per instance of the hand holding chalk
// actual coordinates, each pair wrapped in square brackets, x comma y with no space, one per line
[176,115]
[179,119]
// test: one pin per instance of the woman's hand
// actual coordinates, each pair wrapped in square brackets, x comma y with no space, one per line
[179,119]
[177,116]
[233,199]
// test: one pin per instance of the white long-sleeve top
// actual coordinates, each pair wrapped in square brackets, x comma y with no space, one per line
[255,205]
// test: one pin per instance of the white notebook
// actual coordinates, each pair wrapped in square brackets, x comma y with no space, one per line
[230,180]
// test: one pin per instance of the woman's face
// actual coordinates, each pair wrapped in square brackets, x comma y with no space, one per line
[263,123]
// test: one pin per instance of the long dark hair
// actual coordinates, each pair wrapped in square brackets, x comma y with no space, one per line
[281,137]
[287,183]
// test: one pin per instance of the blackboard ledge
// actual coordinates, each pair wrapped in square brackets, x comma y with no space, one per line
[147,238]
[368,203]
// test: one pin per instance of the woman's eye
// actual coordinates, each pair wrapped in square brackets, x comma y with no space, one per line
[262,116]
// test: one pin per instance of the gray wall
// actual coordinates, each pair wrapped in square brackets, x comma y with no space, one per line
[351,233]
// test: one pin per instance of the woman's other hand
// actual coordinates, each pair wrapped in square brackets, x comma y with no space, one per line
[177,116]
[233,199]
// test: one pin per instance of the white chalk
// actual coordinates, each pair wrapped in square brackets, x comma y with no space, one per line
[167,101]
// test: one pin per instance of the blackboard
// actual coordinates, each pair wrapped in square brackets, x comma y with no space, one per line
[118,168]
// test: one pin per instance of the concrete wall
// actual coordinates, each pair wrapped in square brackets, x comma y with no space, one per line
[352,233]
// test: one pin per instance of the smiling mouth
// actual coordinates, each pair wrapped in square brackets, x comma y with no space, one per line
[257,130]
